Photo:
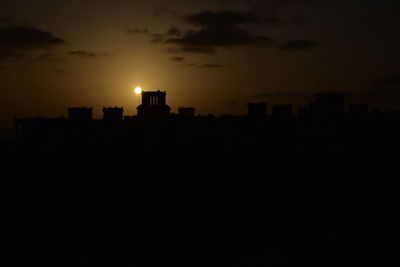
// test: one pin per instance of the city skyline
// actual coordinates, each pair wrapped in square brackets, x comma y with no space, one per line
[152,99]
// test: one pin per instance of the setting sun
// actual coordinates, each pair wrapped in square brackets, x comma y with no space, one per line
[138,90]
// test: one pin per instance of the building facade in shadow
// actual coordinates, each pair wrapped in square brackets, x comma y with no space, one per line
[153,105]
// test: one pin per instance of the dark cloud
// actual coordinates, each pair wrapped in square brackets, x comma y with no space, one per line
[17,41]
[57,56]
[210,66]
[299,45]
[269,7]
[218,30]
[52,56]
[86,54]
[173,50]
[281,95]
[199,50]
[177,59]
[272,3]
[390,79]
[137,31]
[155,38]
[6,52]
[205,66]
[25,38]
[214,30]
[61,72]
[223,19]
[174,31]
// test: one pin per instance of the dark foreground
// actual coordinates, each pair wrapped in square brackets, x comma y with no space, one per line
[237,198]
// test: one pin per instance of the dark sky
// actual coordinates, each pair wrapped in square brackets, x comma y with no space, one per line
[215,55]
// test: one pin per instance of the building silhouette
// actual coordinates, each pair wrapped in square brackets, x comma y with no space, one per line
[113,114]
[315,129]
[153,105]
[358,108]
[328,104]
[257,110]
[187,112]
[282,112]
[80,114]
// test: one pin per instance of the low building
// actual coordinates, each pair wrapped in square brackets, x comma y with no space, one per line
[80,114]
[257,110]
[113,114]
[187,112]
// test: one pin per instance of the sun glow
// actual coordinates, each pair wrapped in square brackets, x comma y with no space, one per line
[138,90]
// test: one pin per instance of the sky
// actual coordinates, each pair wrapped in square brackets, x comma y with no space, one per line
[214,55]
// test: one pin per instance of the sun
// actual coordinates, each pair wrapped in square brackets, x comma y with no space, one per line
[138,90]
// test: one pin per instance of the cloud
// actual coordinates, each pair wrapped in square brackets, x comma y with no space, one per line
[205,66]
[299,45]
[25,38]
[52,56]
[86,54]
[58,56]
[17,40]
[155,38]
[59,71]
[178,59]
[199,50]
[272,3]
[137,31]
[390,79]
[210,66]
[285,8]
[174,31]
[212,30]
[6,52]
[219,29]
[223,19]
[281,95]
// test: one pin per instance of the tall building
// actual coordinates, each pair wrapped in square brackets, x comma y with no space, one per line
[113,114]
[80,114]
[257,110]
[153,105]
